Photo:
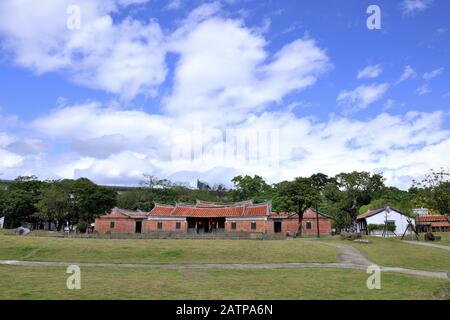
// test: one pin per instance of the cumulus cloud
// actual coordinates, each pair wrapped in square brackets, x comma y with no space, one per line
[408,73]
[422,90]
[433,74]
[410,7]
[8,159]
[124,57]
[362,96]
[215,122]
[401,146]
[174,5]
[370,72]
[224,65]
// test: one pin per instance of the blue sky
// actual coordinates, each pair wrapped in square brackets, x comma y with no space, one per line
[127,91]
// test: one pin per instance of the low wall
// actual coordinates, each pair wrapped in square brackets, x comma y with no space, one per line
[172,235]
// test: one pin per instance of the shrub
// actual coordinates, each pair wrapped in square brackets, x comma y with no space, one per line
[390,226]
[82,226]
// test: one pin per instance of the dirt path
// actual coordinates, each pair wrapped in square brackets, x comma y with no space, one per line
[349,255]
[427,244]
[348,258]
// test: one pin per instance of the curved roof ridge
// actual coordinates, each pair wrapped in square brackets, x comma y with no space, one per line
[157,204]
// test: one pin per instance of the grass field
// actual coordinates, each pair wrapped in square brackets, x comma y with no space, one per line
[445,238]
[50,283]
[392,252]
[162,251]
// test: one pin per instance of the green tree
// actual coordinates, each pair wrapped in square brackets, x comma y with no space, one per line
[296,196]
[247,187]
[392,197]
[54,203]
[432,191]
[348,192]
[17,206]
[88,201]
[19,200]
[320,180]
[441,198]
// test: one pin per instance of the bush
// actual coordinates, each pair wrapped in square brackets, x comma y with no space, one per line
[390,227]
[429,236]
[82,226]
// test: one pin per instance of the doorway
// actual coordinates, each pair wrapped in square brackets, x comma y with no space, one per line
[138,228]
[277,226]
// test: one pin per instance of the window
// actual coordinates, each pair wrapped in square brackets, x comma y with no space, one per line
[178,225]
[111,225]
[253,225]
[233,226]
[308,225]
[160,225]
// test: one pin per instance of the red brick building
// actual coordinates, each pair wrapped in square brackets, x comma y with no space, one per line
[434,223]
[205,217]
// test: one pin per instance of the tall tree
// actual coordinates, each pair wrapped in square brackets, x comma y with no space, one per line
[88,201]
[54,203]
[247,187]
[296,196]
[347,192]
[433,191]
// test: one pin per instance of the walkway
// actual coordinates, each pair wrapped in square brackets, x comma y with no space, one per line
[348,258]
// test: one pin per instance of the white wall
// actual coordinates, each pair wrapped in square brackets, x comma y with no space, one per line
[401,221]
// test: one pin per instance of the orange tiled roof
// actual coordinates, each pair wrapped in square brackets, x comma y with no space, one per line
[210,210]
[430,218]
[123,213]
[161,210]
[207,212]
[440,224]
[369,213]
[257,210]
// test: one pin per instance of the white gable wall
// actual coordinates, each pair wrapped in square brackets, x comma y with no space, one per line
[401,221]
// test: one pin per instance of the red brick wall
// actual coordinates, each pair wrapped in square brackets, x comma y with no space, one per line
[126,225]
[167,225]
[246,226]
[121,225]
[291,225]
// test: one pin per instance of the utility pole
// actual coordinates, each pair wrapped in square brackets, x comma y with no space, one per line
[317,217]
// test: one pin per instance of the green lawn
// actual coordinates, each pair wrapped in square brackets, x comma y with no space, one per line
[50,283]
[392,252]
[162,251]
[445,238]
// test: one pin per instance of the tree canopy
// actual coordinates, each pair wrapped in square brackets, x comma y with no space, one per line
[344,196]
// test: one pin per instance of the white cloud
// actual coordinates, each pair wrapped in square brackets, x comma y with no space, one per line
[362,96]
[224,80]
[174,5]
[8,159]
[124,57]
[224,65]
[408,73]
[402,146]
[410,7]
[370,72]
[433,74]
[424,89]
